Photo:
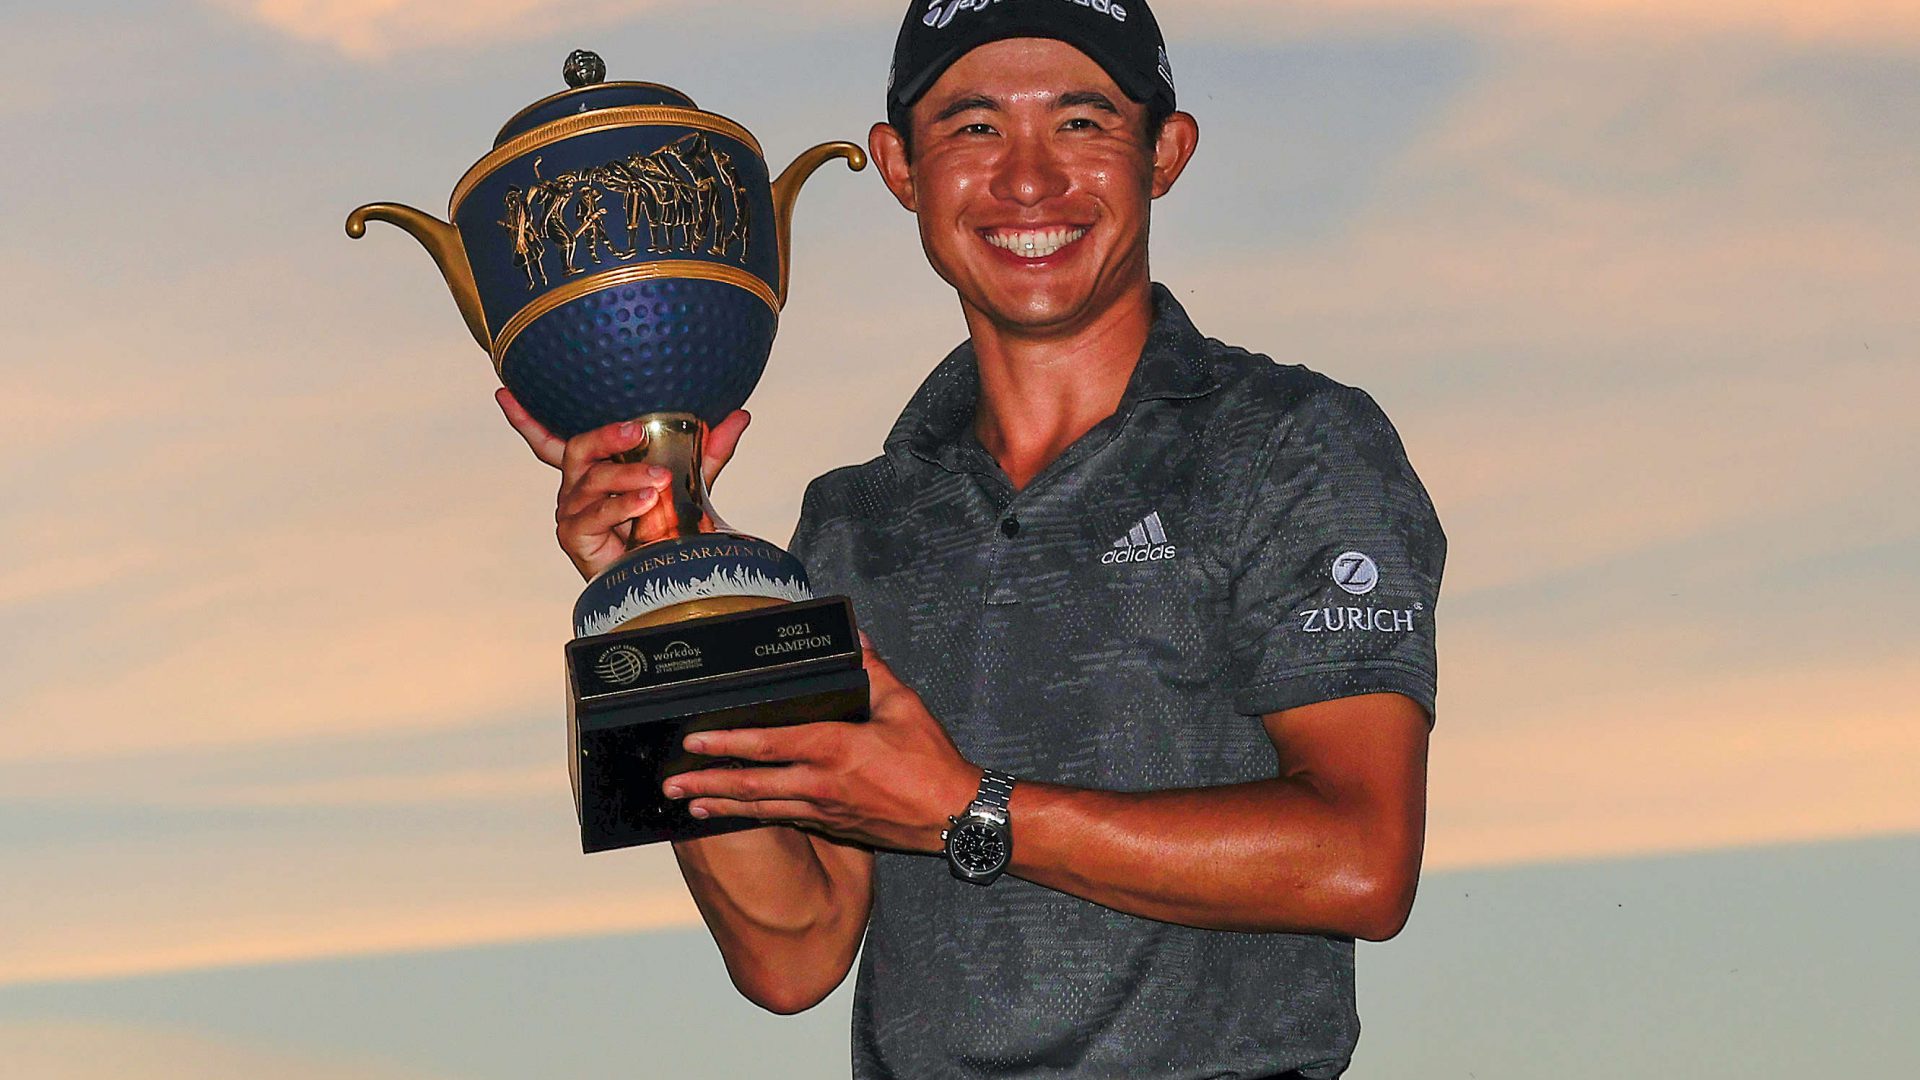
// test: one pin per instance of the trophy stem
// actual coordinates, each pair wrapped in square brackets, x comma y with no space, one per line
[675,442]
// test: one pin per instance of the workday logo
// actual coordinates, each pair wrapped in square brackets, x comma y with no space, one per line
[677,656]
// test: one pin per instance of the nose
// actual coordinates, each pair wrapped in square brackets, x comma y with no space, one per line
[1030,172]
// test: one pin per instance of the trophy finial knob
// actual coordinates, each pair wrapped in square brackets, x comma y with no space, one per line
[584,68]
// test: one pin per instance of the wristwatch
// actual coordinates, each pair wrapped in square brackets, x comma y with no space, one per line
[980,841]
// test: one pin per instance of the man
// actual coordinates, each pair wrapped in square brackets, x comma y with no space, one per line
[1151,627]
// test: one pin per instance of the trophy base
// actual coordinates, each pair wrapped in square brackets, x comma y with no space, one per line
[701,574]
[634,695]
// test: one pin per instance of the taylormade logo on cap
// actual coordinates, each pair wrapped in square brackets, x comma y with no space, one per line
[941,12]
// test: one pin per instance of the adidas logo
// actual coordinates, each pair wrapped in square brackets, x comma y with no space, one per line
[1145,542]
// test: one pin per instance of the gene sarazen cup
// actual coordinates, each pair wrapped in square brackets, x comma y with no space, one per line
[621,255]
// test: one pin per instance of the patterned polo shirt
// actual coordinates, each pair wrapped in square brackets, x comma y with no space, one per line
[1239,538]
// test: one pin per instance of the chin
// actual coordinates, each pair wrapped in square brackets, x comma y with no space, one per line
[1035,309]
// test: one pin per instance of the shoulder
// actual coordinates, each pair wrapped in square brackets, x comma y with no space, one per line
[851,489]
[1310,447]
[1264,408]
[841,515]
[845,496]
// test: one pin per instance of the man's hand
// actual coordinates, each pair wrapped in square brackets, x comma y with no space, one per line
[891,782]
[600,497]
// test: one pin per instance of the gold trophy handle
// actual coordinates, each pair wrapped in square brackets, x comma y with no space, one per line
[787,189]
[442,241]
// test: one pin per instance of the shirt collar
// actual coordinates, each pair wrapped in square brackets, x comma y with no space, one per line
[937,423]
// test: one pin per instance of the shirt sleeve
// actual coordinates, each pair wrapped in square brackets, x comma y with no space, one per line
[1337,565]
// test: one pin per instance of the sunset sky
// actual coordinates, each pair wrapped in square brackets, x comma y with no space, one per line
[282,778]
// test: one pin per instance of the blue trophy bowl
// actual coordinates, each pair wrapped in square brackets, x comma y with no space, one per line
[621,255]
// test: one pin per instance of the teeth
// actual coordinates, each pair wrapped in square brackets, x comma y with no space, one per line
[1035,244]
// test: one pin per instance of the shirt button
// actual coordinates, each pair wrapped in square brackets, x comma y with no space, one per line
[1010,528]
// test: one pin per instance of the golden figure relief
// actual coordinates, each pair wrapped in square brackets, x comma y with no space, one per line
[529,251]
[686,195]
[593,224]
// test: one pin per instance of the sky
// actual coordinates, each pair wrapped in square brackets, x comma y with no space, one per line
[281,611]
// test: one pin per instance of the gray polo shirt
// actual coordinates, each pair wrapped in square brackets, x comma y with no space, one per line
[1238,538]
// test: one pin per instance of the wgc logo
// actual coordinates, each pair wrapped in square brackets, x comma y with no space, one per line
[622,665]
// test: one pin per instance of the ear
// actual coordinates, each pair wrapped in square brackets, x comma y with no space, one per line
[1179,138]
[889,153]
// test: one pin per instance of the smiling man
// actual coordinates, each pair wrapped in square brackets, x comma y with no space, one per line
[1152,628]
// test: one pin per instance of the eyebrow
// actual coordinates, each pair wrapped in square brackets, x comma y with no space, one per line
[1070,100]
[967,104]
[1094,98]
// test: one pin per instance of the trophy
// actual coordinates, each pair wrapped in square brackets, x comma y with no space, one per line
[622,255]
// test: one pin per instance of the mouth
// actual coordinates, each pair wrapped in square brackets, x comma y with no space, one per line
[1034,244]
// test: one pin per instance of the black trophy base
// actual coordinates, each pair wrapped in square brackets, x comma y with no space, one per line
[634,695]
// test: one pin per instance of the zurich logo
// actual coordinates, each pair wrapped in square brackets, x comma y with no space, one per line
[1356,572]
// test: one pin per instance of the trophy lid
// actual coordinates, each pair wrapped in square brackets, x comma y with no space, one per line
[587,90]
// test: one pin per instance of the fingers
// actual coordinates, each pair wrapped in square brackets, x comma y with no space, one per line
[598,496]
[722,440]
[545,445]
[587,529]
[606,479]
[586,448]
[784,783]
[798,742]
[791,813]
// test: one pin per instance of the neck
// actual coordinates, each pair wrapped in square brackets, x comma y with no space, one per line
[1040,393]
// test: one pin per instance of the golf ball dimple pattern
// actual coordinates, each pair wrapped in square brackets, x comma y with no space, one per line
[681,345]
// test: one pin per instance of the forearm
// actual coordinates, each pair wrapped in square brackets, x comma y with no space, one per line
[787,910]
[1270,855]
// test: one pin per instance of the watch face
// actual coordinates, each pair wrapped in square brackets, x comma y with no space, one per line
[977,847]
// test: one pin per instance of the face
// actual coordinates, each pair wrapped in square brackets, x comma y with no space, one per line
[1032,178]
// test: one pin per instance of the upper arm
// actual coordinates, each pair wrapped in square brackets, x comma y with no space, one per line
[1366,758]
[1336,565]
[849,870]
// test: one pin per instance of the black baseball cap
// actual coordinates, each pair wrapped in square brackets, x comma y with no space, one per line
[1121,36]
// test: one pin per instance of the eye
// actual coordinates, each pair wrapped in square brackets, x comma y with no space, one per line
[976,129]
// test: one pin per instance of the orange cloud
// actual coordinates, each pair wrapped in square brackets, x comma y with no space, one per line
[1858,20]
[382,567]
[308,887]
[1575,749]
[73,1050]
[377,28]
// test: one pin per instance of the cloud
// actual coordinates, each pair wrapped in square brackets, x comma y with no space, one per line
[243,886]
[378,28]
[1804,753]
[1641,317]
[1854,20]
[73,1050]
[372,29]
[1615,299]
[1640,312]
